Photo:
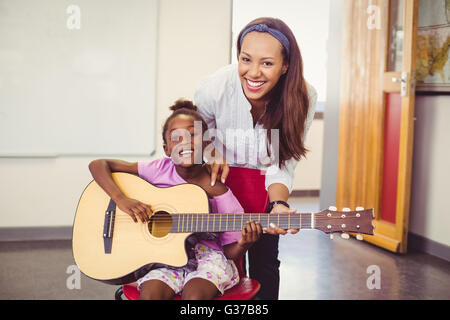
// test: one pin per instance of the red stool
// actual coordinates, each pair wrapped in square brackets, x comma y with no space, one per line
[244,290]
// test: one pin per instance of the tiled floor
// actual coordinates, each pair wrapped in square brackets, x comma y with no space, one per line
[315,267]
[312,267]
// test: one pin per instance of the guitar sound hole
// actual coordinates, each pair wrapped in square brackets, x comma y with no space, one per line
[160,224]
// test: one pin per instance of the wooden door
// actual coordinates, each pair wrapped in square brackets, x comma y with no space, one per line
[377,115]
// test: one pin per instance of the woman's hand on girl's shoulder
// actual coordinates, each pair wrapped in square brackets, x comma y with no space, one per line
[217,190]
[218,168]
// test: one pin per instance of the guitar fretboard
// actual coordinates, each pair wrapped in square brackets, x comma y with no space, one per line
[221,222]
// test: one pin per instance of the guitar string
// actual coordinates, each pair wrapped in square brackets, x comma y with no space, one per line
[316,215]
[228,222]
[211,226]
[190,229]
[189,223]
[231,217]
[237,216]
[231,220]
[319,214]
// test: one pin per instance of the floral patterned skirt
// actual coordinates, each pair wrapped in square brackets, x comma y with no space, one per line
[208,264]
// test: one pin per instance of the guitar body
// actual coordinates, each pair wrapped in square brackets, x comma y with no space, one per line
[134,247]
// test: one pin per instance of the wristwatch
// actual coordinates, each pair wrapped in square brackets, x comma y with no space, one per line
[271,204]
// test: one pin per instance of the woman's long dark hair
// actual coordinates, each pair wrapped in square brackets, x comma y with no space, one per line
[288,108]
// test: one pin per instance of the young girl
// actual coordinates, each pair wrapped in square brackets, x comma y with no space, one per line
[265,90]
[211,269]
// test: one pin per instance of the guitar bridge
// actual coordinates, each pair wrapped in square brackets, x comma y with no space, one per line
[108,226]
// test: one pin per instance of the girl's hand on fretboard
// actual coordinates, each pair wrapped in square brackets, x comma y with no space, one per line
[250,234]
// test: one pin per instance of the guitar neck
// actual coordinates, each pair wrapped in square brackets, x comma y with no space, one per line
[222,222]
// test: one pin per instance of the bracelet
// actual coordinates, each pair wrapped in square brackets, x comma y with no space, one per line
[277,202]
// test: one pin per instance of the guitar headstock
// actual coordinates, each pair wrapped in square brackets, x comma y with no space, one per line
[358,221]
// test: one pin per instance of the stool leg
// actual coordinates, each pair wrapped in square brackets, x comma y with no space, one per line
[118,294]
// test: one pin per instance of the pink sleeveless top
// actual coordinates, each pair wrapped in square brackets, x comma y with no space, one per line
[162,173]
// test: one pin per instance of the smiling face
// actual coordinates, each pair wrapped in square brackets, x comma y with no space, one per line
[260,65]
[183,144]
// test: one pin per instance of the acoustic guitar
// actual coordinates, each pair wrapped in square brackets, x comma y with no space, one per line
[109,246]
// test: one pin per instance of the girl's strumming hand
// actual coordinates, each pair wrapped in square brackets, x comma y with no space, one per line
[135,209]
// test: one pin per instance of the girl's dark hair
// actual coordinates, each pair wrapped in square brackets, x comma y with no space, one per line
[183,107]
[289,103]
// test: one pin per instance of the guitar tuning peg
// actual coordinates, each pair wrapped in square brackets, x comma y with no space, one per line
[359,237]
[359,208]
[345,236]
[331,208]
[346,210]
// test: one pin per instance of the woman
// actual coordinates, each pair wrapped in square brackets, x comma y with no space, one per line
[261,110]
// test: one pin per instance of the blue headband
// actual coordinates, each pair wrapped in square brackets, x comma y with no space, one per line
[274,32]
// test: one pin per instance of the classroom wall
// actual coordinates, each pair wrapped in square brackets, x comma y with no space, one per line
[430,208]
[45,191]
[308,173]
[332,106]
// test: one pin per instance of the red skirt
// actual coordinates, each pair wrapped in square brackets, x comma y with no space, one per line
[248,186]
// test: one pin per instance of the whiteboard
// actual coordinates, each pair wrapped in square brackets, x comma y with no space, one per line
[77,77]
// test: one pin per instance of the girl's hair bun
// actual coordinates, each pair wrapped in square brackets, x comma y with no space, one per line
[183,107]
[183,104]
